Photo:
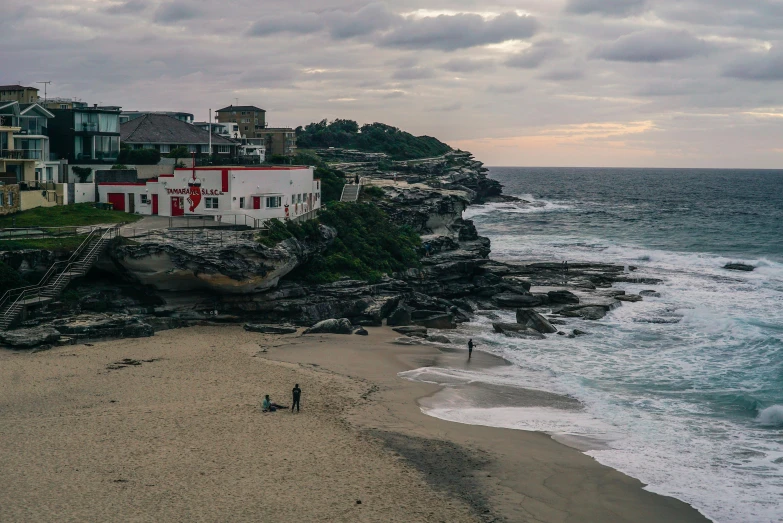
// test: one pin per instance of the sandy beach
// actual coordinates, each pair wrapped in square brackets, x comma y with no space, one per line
[177,434]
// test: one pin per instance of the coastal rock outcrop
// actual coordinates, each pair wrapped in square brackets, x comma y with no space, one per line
[29,338]
[96,326]
[533,320]
[515,330]
[227,262]
[744,267]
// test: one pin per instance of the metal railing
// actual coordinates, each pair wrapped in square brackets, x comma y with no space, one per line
[57,277]
[309,215]
[22,233]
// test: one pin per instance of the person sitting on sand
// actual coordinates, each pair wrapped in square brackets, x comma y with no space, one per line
[268,406]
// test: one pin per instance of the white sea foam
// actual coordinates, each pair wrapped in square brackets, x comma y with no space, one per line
[771,416]
[648,370]
[529,205]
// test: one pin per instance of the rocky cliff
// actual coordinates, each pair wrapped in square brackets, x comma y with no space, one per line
[176,278]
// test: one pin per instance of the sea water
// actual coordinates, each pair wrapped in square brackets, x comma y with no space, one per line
[685,390]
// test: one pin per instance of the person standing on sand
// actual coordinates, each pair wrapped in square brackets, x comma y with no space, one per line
[296,393]
[470,348]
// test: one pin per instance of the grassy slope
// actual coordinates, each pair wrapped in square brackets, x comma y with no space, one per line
[65,216]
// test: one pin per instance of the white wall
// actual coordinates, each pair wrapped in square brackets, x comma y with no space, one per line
[83,192]
[240,183]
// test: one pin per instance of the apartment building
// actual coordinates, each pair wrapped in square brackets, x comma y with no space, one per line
[86,134]
[18,93]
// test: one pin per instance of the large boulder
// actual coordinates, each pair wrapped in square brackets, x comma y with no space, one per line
[414,331]
[28,338]
[739,267]
[535,321]
[331,326]
[633,298]
[650,294]
[269,329]
[562,297]
[439,321]
[518,300]
[219,261]
[438,338]
[515,330]
[96,326]
[400,316]
[587,313]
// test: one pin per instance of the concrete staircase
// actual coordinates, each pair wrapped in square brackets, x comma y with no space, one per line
[16,301]
[350,193]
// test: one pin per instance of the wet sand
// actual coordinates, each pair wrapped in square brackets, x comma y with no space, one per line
[180,437]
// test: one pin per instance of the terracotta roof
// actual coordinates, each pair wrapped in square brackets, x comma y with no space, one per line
[240,108]
[160,128]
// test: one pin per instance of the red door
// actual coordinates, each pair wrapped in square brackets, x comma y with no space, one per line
[155,204]
[117,199]
[256,202]
[177,206]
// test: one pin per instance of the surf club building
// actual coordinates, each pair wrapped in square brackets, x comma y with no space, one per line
[229,194]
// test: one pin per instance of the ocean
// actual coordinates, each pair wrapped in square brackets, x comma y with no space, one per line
[682,391]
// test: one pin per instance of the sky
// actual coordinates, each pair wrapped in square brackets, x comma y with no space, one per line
[601,83]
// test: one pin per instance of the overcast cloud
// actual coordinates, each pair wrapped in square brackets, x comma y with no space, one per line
[517,82]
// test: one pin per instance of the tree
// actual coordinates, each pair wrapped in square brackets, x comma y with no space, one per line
[179,152]
[83,173]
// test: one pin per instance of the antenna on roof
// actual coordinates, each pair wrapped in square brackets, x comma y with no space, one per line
[46,83]
[236,100]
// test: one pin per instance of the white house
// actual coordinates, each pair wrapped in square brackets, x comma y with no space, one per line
[223,192]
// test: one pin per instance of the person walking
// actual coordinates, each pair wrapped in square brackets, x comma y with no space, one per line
[356,179]
[470,348]
[297,392]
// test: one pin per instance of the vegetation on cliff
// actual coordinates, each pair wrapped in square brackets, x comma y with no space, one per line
[375,137]
[10,279]
[368,245]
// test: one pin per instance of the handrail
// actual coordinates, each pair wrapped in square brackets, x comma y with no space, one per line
[48,274]
[27,292]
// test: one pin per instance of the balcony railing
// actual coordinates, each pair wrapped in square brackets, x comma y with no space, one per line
[20,154]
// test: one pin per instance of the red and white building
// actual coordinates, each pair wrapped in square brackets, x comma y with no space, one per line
[223,192]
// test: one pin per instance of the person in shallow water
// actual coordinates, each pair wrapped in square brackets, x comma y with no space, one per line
[470,348]
[297,392]
[268,406]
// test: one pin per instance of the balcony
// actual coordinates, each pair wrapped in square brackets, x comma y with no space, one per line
[20,154]
[87,127]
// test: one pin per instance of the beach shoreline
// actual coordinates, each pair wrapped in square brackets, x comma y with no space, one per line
[180,436]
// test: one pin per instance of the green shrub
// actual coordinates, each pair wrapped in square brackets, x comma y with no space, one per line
[332,182]
[368,246]
[10,279]
[373,192]
[139,156]
[119,166]
[83,173]
[375,137]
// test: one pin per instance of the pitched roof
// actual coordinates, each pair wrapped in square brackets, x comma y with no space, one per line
[240,108]
[35,107]
[160,128]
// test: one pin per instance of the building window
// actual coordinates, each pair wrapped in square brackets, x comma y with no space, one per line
[211,203]
[222,149]
[245,120]
[10,199]
[274,202]
[242,203]
[192,148]
[145,198]
[165,148]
